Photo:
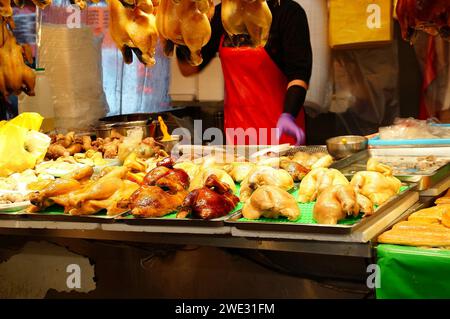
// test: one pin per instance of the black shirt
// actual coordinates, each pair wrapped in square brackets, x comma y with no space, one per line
[289,44]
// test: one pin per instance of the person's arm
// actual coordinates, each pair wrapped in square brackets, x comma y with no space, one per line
[297,58]
[209,51]
[297,61]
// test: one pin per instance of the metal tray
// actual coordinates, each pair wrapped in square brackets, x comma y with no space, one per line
[286,226]
[56,214]
[400,159]
[164,221]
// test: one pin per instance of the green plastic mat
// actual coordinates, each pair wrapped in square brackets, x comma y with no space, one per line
[56,210]
[412,272]
[306,214]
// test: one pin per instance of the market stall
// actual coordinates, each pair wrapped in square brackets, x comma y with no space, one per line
[73,173]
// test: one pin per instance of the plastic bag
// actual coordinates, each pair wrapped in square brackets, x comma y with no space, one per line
[360,22]
[365,93]
[410,128]
[20,147]
[28,120]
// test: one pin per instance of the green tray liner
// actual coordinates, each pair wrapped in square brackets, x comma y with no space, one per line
[306,214]
[412,272]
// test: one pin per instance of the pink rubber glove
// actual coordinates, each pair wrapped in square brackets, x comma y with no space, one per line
[286,125]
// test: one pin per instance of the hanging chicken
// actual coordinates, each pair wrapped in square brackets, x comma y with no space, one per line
[6,9]
[431,16]
[251,17]
[133,29]
[15,75]
[185,22]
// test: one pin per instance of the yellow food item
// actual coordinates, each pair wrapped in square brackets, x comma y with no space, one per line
[430,215]
[29,120]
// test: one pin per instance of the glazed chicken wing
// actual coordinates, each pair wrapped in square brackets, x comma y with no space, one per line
[271,202]
[213,200]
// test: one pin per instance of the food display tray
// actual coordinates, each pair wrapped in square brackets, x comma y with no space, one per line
[405,163]
[172,220]
[432,142]
[307,224]
[56,213]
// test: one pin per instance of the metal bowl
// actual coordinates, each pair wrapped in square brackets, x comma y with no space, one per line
[343,146]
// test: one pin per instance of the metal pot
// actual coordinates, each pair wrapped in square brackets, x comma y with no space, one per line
[105,130]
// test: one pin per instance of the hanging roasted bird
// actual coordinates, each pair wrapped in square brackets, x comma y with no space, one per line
[431,16]
[41,4]
[133,29]
[15,75]
[187,23]
[247,17]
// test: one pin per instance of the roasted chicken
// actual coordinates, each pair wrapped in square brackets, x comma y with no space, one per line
[41,4]
[239,170]
[163,191]
[431,16]
[61,186]
[15,75]
[185,22]
[265,175]
[271,202]
[377,183]
[316,181]
[214,200]
[339,201]
[296,170]
[313,160]
[133,29]
[200,179]
[251,17]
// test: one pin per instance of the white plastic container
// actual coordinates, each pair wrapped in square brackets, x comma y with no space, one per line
[41,103]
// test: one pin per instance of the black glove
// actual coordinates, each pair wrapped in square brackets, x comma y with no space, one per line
[294,100]
[183,54]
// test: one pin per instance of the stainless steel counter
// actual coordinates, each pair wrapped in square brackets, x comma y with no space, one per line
[356,244]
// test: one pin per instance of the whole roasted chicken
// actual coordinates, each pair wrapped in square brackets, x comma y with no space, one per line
[431,16]
[15,75]
[265,175]
[202,175]
[133,29]
[185,22]
[162,192]
[339,201]
[251,17]
[214,200]
[313,160]
[316,181]
[271,202]
[377,183]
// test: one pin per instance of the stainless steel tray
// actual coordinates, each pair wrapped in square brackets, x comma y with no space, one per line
[424,166]
[189,222]
[286,226]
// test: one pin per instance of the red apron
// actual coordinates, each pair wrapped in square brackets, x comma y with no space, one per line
[255,89]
